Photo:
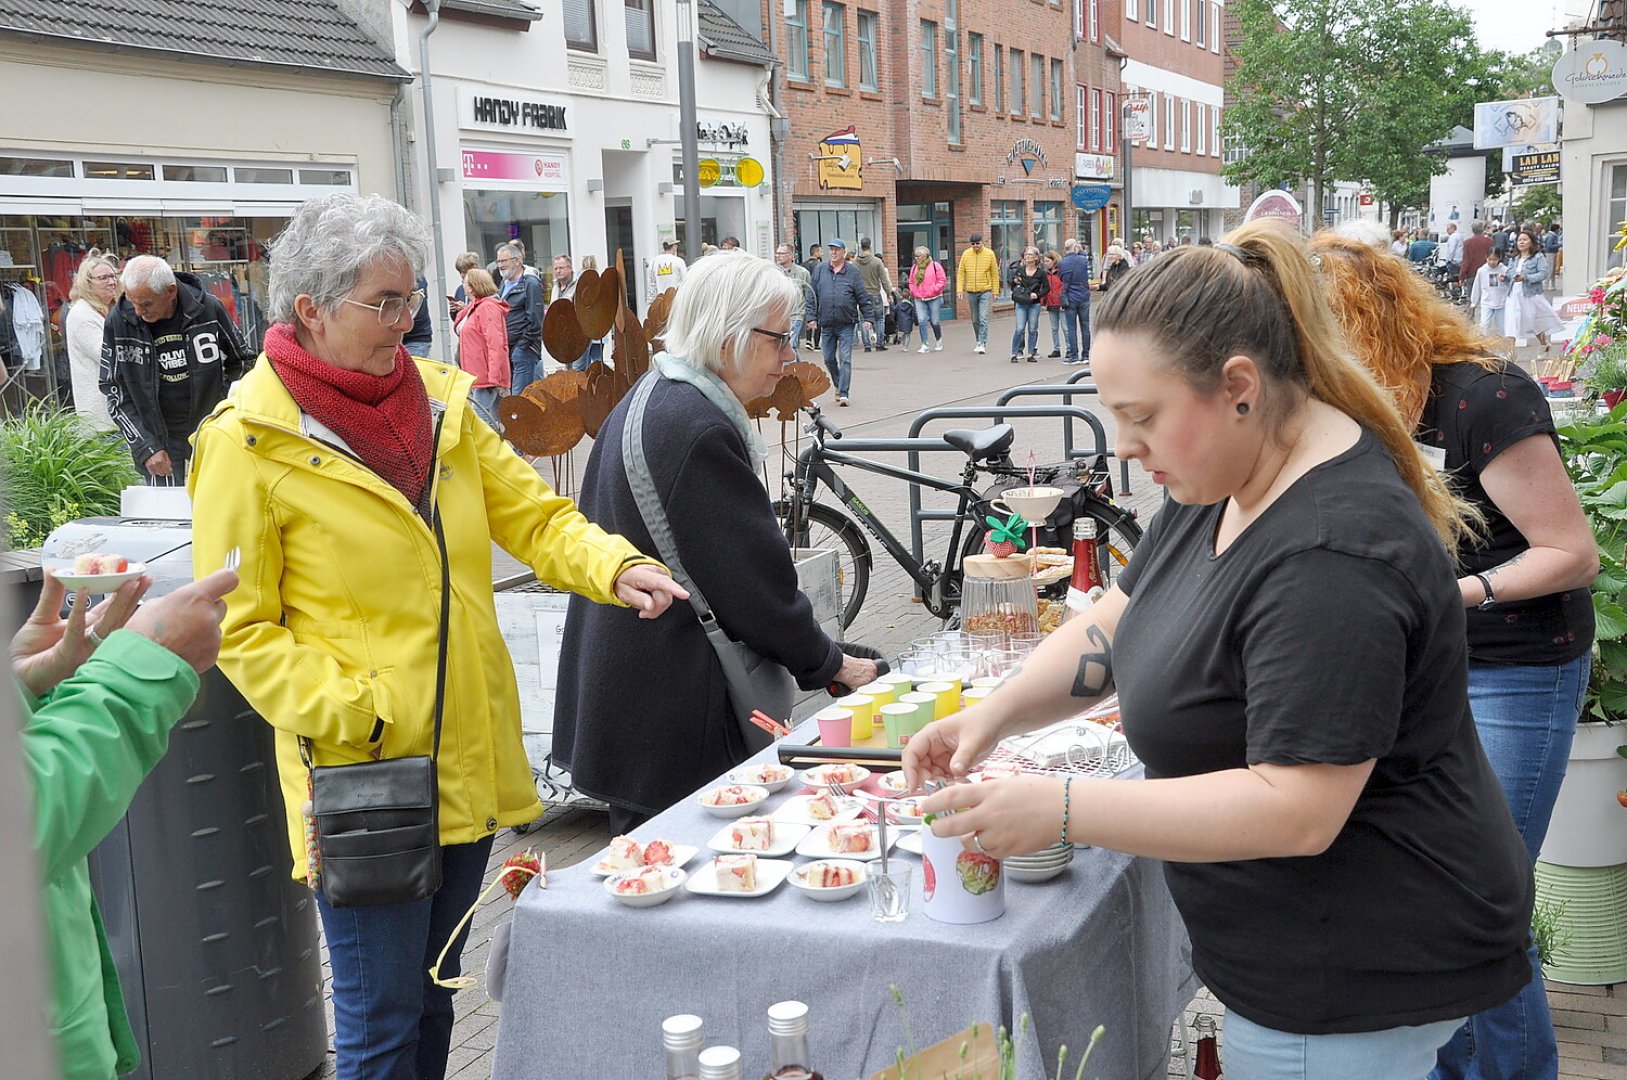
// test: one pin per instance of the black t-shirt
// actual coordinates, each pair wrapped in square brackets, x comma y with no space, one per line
[1330,631]
[170,349]
[1474,414]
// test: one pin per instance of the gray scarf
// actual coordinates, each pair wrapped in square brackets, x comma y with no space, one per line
[718,393]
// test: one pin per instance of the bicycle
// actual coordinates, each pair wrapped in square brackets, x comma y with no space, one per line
[808,523]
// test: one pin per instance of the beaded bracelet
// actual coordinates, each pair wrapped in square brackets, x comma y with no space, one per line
[1067,798]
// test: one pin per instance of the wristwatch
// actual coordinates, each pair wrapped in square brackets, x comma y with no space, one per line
[1491,598]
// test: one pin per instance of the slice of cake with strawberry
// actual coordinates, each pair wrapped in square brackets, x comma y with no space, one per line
[625,854]
[658,853]
[95,564]
[735,873]
[831,875]
[821,807]
[752,834]
[650,879]
[851,837]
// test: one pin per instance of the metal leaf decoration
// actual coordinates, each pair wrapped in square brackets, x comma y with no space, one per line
[597,310]
[598,398]
[562,333]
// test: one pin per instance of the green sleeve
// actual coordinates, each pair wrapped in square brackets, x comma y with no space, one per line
[89,745]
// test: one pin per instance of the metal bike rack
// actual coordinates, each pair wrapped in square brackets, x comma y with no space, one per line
[1074,387]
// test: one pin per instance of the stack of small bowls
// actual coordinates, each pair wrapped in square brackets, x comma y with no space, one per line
[1042,865]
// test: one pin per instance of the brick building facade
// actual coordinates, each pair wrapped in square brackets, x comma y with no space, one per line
[922,122]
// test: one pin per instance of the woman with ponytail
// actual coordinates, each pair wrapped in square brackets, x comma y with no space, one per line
[1523,582]
[1287,650]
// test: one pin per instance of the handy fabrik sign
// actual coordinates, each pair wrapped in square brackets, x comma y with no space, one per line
[1593,72]
[481,110]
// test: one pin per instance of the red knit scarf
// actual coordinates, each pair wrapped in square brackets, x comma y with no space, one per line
[384,419]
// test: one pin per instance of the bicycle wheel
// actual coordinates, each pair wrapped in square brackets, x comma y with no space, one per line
[826,527]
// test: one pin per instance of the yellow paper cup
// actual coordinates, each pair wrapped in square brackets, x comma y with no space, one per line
[898,722]
[974,694]
[946,695]
[863,708]
[880,692]
[989,681]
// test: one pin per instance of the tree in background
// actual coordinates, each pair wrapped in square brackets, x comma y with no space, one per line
[1539,202]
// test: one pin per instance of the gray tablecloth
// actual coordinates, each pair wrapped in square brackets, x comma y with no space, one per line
[590,980]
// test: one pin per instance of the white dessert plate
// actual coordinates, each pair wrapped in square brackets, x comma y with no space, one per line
[910,842]
[674,877]
[893,783]
[681,853]
[787,835]
[770,874]
[818,777]
[799,881]
[97,583]
[759,794]
[1032,877]
[795,811]
[816,845]
[744,774]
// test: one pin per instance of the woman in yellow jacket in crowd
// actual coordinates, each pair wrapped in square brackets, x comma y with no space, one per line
[326,468]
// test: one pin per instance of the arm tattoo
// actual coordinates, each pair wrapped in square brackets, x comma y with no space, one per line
[1510,564]
[1095,668]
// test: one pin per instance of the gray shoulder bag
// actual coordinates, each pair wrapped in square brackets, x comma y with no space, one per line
[754,681]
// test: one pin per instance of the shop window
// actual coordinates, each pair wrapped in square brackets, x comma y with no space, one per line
[1036,105]
[50,167]
[641,29]
[868,21]
[796,38]
[999,79]
[1056,89]
[951,68]
[256,175]
[929,58]
[118,170]
[1006,236]
[196,174]
[539,219]
[327,177]
[581,25]
[818,224]
[974,69]
[1048,226]
[1016,82]
[835,44]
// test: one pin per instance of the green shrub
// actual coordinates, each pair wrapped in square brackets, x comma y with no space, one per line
[56,466]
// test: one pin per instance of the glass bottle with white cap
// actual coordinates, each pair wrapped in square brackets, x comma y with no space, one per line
[788,1042]
[720,1063]
[681,1037]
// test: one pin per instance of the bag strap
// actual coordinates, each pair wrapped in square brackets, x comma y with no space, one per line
[642,484]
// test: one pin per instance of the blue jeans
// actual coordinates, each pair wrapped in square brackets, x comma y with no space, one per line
[523,364]
[796,331]
[837,343]
[979,303]
[484,399]
[1254,1052]
[1056,328]
[1526,717]
[1076,321]
[1027,322]
[926,311]
[389,1021]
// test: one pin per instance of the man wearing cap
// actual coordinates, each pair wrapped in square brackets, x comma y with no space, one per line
[837,303]
[666,269]
[976,279]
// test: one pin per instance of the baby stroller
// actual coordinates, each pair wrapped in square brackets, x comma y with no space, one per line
[900,322]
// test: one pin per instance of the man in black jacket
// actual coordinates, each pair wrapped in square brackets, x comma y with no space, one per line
[838,301]
[524,320]
[169,351]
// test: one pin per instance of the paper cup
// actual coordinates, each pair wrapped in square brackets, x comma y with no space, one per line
[863,709]
[989,681]
[898,723]
[835,727]
[881,693]
[899,681]
[947,695]
[973,694]
[925,706]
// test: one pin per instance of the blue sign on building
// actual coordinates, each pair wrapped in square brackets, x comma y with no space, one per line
[1092,196]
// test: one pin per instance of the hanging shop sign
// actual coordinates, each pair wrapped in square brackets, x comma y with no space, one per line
[1538,168]
[1523,120]
[749,171]
[1592,72]
[1091,196]
[708,171]
[1137,113]
[1093,166]
[839,159]
[723,171]
[727,134]
[1277,205]
[485,110]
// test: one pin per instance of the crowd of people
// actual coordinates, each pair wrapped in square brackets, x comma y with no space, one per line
[1348,809]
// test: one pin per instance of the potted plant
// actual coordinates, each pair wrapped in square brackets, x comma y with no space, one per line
[57,466]
[1606,370]
[1600,345]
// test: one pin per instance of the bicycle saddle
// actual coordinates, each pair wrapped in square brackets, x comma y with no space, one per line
[983,443]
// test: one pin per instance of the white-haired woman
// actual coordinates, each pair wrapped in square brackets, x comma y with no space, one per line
[350,477]
[1117,265]
[642,741]
[95,288]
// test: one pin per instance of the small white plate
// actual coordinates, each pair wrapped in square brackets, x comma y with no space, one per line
[97,584]
[674,876]
[681,853]
[910,842]
[739,775]
[787,835]
[815,778]
[759,794]
[838,892]
[816,845]
[795,811]
[770,874]
[1022,873]
[893,783]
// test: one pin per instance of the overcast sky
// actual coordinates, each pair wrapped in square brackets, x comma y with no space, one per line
[1519,25]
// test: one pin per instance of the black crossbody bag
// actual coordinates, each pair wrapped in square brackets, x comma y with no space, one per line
[378,822]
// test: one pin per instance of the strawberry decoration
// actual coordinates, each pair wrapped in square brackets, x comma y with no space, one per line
[1005,538]
[518,870]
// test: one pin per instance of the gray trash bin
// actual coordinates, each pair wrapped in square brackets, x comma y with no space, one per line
[216,946]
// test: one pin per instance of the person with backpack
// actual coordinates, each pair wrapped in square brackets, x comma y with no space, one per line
[1029,285]
[926,282]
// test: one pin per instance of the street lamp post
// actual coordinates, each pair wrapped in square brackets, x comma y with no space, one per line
[686,135]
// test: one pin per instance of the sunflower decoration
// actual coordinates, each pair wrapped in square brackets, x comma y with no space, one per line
[1005,538]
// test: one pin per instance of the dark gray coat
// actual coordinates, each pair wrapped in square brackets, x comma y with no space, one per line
[641,718]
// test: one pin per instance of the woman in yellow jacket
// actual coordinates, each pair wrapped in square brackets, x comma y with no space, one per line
[325,469]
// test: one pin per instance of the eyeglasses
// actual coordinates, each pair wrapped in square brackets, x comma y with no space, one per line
[391,308]
[104,277]
[783,340]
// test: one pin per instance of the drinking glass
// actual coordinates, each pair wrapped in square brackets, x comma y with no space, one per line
[889,891]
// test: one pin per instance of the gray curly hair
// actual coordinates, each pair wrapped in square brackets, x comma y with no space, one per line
[331,241]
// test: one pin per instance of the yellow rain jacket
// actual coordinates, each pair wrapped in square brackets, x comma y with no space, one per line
[979,271]
[333,633]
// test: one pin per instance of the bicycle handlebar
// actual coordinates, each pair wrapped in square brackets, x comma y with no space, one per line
[830,429]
